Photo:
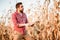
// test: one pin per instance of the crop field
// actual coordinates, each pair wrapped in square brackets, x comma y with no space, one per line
[46,23]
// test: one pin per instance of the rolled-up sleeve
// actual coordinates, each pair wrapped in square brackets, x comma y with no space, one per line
[14,20]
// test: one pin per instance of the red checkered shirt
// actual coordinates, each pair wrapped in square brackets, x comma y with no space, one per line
[19,18]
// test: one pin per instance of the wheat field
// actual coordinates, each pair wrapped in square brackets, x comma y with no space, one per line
[46,26]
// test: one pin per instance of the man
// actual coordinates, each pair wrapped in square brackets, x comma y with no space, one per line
[19,20]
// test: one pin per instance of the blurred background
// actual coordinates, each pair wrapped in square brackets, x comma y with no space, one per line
[44,13]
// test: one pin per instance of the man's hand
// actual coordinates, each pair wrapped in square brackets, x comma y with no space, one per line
[30,24]
[21,25]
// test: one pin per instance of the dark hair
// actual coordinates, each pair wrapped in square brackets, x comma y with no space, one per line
[17,5]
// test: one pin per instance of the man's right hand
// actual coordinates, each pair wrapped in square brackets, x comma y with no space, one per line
[21,25]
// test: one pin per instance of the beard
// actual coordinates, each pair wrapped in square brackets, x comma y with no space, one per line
[21,11]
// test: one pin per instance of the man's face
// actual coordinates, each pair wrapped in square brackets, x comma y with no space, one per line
[21,8]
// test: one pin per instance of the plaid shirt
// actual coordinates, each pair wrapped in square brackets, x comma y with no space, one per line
[19,18]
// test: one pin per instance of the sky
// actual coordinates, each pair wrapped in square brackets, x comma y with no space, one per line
[7,4]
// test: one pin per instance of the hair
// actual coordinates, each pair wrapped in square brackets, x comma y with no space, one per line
[18,4]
